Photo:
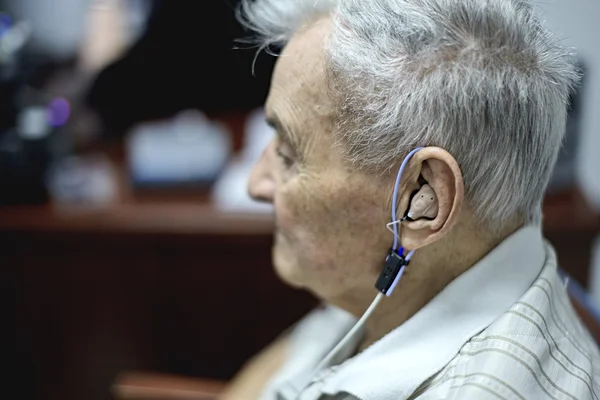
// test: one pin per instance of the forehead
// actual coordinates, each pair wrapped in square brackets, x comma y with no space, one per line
[298,83]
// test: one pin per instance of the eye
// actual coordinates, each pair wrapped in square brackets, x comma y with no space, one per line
[287,160]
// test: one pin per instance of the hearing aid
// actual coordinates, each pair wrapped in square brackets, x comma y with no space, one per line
[424,204]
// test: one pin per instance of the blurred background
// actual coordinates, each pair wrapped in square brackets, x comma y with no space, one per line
[127,241]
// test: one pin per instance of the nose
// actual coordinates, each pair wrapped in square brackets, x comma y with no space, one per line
[261,185]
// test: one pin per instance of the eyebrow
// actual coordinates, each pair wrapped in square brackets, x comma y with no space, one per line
[282,130]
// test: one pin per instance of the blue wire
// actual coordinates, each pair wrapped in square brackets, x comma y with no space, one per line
[400,250]
[395,196]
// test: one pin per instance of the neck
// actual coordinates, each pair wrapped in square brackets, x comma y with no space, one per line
[412,294]
[430,271]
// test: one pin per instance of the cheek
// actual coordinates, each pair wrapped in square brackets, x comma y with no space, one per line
[329,224]
[292,210]
[286,217]
[302,223]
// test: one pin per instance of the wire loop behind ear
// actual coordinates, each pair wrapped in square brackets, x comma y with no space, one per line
[395,261]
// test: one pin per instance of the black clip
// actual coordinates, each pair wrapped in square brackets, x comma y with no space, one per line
[393,263]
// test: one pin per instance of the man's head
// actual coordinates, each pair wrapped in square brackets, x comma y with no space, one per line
[480,84]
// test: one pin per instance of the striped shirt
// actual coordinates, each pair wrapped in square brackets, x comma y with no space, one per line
[505,329]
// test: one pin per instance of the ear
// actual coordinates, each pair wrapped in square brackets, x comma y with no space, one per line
[441,171]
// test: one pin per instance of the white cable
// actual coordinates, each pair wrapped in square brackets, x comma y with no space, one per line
[352,331]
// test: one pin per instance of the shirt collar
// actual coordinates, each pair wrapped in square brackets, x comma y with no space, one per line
[398,363]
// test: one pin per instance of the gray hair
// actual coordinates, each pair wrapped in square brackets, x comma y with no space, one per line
[483,79]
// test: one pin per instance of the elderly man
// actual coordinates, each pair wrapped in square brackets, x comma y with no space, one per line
[479,89]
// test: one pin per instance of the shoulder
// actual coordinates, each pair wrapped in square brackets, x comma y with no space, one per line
[335,320]
[536,349]
[310,339]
